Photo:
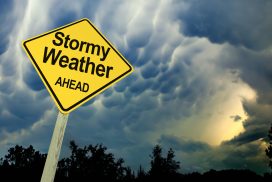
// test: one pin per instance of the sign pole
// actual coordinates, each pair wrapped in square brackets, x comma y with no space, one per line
[52,158]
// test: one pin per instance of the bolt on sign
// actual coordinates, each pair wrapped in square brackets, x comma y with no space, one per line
[76,62]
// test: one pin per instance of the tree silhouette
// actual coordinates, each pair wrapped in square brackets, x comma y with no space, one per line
[24,157]
[268,150]
[141,174]
[163,167]
[22,164]
[129,175]
[91,162]
[157,162]
[172,165]
[94,163]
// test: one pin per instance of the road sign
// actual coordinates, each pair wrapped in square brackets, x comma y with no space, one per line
[76,62]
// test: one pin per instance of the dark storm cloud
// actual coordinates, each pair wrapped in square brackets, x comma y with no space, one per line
[256,128]
[150,71]
[67,15]
[255,69]
[122,86]
[247,156]
[236,118]
[248,136]
[176,77]
[19,106]
[140,37]
[239,22]
[117,100]
[245,23]
[6,87]
[201,157]
[180,144]
[32,79]
[6,23]
[21,110]
[8,66]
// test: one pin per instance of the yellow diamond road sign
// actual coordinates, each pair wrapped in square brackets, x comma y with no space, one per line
[76,62]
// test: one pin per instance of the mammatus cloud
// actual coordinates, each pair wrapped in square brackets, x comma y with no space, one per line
[237,22]
[186,85]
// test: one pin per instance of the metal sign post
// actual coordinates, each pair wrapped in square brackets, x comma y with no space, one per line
[54,149]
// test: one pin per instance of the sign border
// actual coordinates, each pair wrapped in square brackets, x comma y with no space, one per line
[85,99]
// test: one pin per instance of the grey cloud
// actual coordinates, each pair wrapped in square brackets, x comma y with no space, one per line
[8,66]
[249,135]
[32,79]
[175,77]
[201,157]
[7,24]
[183,145]
[24,135]
[239,22]
[150,71]
[21,110]
[248,156]
[141,35]
[236,118]
[254,69]
[5,85]
[126,82]
[114,101]
[68,13]
[16,103]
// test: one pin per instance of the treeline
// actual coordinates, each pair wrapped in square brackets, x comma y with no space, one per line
[94,163]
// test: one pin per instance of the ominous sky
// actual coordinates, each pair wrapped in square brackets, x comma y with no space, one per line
[202,82]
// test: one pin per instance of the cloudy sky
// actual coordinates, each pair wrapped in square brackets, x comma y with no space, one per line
[202,82]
